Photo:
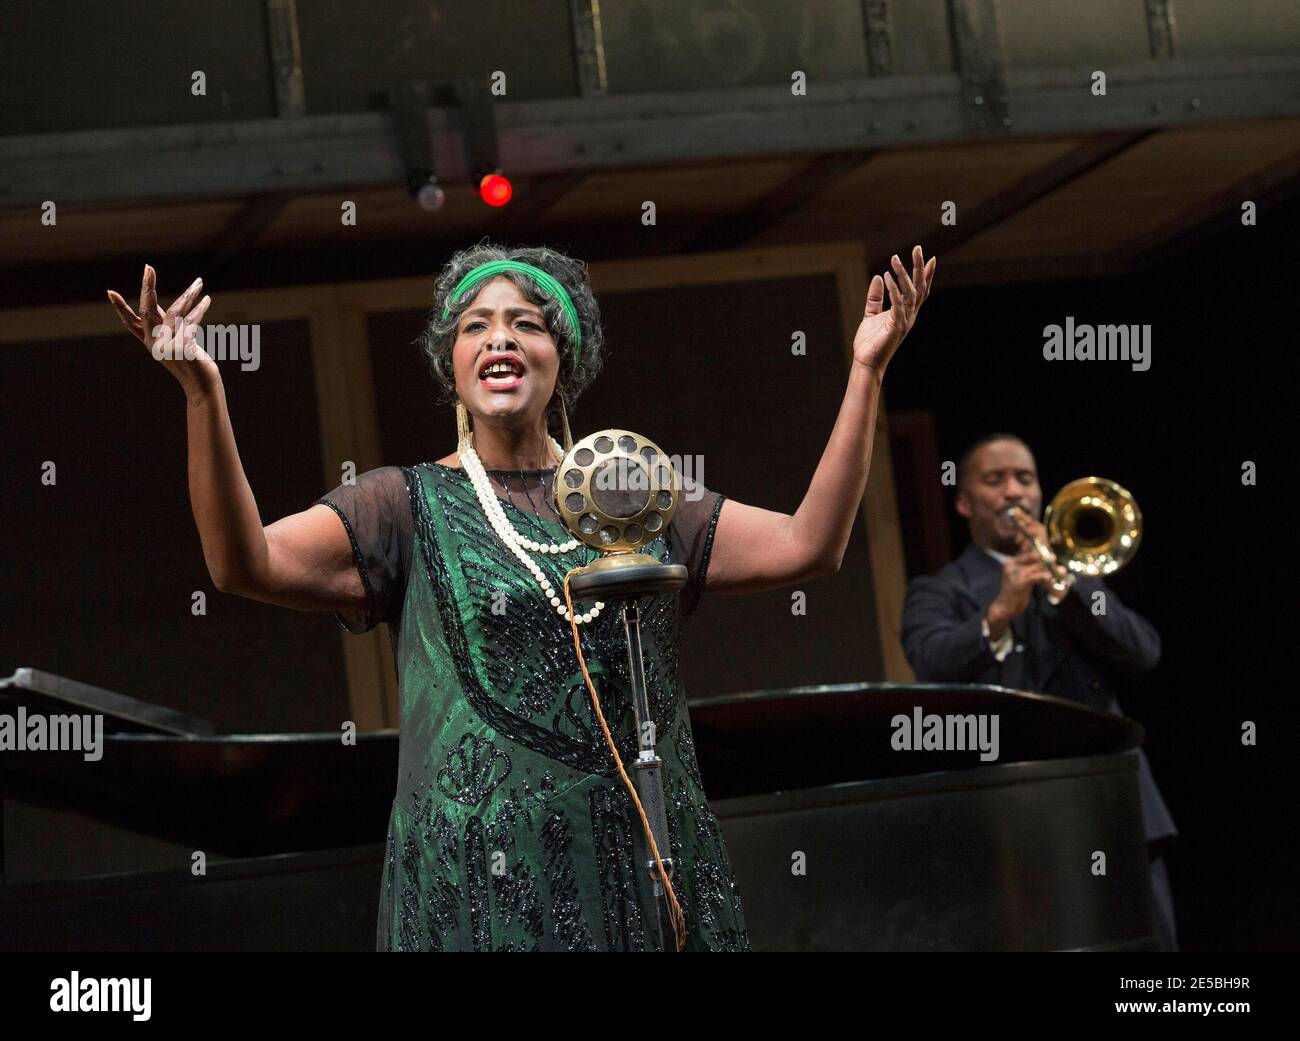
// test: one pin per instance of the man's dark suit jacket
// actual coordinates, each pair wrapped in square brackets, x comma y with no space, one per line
[1062,649]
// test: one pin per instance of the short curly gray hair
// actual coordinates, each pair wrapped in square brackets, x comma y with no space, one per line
[576,372]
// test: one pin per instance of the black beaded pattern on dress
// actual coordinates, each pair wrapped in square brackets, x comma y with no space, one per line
[516,895]
[476,876]
[518,810]
[475,767]
[611,826]
[568,925]
[571,735]
[685,742]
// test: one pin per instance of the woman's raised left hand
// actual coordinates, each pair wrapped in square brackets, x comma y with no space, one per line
[882,331]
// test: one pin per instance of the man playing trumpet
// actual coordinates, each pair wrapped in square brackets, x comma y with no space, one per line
[999,614]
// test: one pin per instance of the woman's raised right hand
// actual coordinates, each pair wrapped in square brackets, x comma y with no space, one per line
[169,334]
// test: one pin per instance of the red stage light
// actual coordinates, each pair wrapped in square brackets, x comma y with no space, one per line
[495,190]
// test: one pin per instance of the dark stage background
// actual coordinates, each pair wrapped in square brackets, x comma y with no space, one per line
[1214,572]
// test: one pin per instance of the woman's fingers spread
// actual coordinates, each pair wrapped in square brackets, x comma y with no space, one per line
[183,303]
[196,316]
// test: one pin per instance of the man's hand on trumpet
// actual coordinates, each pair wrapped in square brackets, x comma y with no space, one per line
[1021,573]
[1027,531]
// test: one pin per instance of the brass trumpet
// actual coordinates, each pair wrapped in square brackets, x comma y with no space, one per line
[1093,527]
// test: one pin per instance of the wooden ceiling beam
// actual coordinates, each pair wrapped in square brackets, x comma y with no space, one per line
[1268,188]
[257,215]
[536,198]
[736,229]
[1042,181]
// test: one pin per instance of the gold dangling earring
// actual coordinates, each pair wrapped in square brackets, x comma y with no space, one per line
[564,422]
[464,434]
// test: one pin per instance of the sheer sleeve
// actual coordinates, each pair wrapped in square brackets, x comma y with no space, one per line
[376,512]
[690,537]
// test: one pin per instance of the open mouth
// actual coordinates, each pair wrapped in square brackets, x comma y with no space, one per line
[501,372]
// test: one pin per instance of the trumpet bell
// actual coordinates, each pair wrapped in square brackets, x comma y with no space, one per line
[1094,526]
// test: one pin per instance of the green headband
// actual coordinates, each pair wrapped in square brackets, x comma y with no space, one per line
[546,283]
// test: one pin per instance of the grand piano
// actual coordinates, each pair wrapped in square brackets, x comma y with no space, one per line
[179,838]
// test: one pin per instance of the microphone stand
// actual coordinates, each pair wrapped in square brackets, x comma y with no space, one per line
[627,577]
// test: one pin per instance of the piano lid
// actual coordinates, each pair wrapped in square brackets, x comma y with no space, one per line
[46,693]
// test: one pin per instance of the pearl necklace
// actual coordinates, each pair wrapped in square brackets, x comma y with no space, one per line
[515,542]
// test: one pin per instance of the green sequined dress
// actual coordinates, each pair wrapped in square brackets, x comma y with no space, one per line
[510,829]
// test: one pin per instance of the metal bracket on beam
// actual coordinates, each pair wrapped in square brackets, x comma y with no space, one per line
[478,124]
[977,41]
[588,47]
[409,101]
[880,37]
[286,57]
[1161,28]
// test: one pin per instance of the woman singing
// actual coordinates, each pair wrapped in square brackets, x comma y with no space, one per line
[511,828]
